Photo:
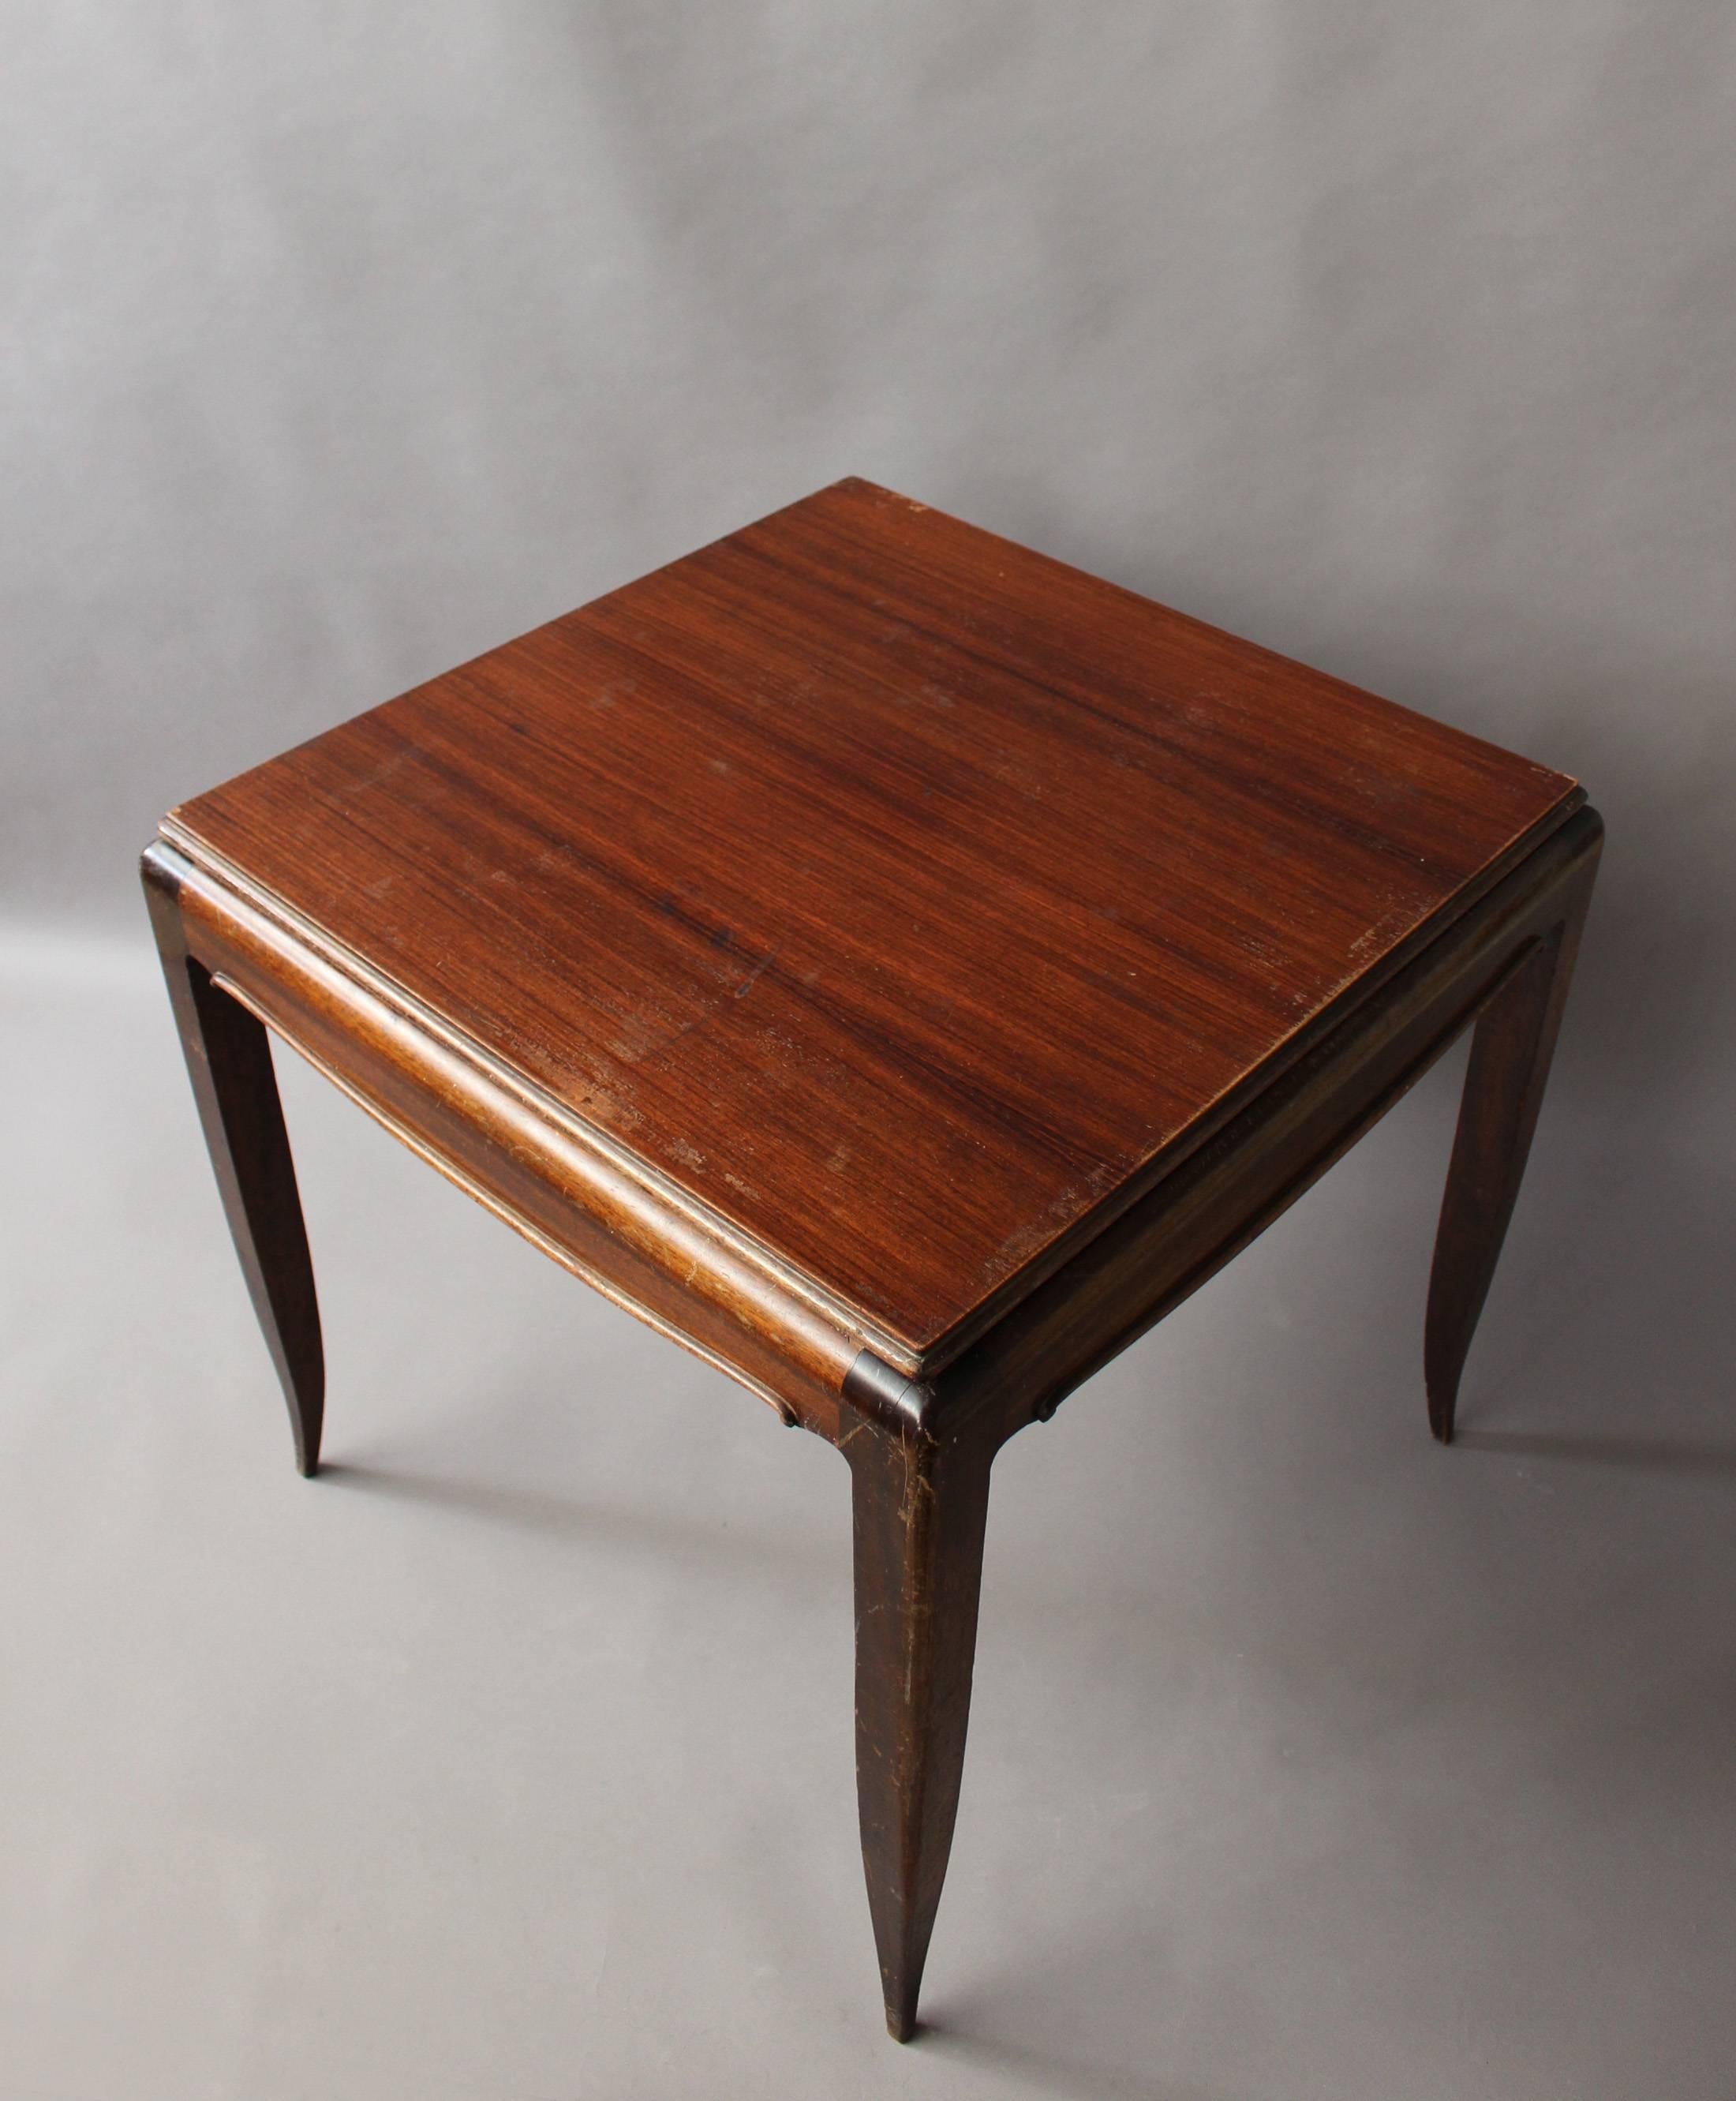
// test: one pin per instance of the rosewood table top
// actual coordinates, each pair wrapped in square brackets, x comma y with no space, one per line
[901,898]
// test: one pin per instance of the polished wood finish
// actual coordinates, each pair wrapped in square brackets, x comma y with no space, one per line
[863,854]
[901,969]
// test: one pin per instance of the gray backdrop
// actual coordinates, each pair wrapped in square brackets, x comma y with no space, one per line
[342,341]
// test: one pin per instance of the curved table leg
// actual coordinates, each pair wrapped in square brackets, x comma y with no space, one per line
[1504,1087]
[229,1061]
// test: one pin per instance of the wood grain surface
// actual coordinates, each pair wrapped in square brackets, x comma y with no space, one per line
[899,897]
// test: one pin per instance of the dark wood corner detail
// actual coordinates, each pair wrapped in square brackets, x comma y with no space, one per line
[161,868]
[902,1407]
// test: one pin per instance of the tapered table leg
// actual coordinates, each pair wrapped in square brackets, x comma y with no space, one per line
[1504,1087]
[229,1060]
[920,1507]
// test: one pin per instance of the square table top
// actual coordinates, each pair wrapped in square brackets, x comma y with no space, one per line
[905,899]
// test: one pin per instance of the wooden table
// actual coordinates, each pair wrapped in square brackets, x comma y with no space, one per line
[899,967]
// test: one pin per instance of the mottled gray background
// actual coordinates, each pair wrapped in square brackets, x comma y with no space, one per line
[342,341]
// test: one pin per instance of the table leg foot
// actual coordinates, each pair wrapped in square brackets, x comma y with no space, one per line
[1504,1088]
[920,1511]
[229,1061]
